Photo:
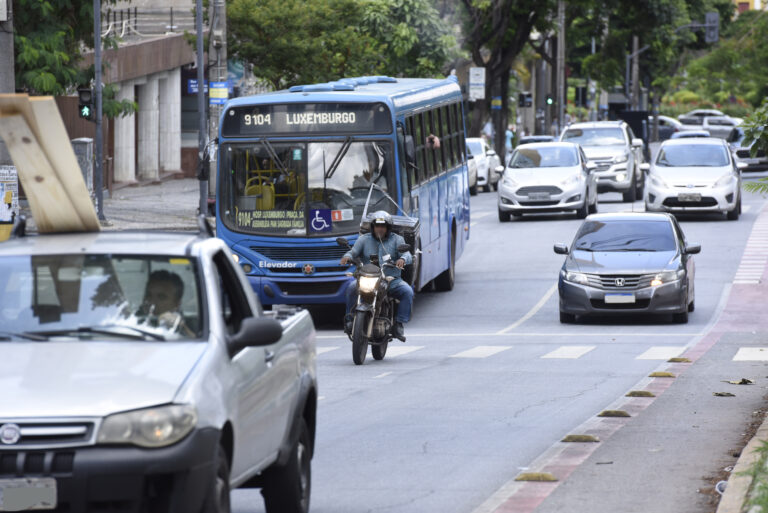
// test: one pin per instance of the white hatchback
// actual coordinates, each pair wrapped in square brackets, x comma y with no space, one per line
[487,161]
[694,175]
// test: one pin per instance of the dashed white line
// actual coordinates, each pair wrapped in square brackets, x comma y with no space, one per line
[481,352]
[751,354]
[661,353]
[569,352]
[327,349]
[401,350]
[382,375]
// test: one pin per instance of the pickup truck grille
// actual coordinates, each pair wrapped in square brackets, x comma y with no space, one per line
[745,154]
[311,253]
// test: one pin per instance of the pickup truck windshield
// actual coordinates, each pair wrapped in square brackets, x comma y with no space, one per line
[99,297]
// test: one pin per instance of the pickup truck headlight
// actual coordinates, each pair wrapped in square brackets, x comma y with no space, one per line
[368,284]
[575,277]
[151,427]
[724,180]
[618,159]
[667,277]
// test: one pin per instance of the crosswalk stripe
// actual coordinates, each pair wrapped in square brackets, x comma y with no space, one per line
[661,353]
[401,350]
[570,352]
[481,352]
[326,349]
[751,354]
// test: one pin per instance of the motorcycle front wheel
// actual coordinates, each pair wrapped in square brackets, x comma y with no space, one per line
[379,350]
[359,340]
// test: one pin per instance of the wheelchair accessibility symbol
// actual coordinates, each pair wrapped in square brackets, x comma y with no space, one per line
[321,220]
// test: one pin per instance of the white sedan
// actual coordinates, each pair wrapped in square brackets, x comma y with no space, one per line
[694,175]
[487,161]
[548,177]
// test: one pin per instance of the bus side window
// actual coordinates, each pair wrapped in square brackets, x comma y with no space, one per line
[462,140]
[413,179]
[456,129]
[421,161]
[403,165]
[447,142]
[433,166]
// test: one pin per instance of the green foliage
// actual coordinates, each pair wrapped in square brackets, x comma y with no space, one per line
[756,135]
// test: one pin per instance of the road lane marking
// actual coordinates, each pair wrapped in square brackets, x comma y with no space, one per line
[751,354]
[322,350]
[569,352]
[320,398]
[401,350]
[661,353]
[532,312]
[481,352]
[589,334]
[382,375]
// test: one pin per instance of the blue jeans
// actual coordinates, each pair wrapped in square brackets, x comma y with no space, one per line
[398,290]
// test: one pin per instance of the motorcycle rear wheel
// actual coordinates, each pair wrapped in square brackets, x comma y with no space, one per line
[359,340]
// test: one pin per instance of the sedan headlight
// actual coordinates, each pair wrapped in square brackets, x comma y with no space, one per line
[151,427]
[724,180]
[618,159]
[571,181]
[508,181]
[575,277]
[667,277]
[658,182]
[368,284]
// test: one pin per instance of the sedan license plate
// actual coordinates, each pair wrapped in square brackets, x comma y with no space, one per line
[620,298]
[539,196]
[690,198]
[28,494]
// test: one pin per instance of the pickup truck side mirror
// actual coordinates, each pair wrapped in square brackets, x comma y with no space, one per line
[561,249]
[255,332]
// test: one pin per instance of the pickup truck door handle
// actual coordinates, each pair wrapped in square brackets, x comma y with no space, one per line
[269,356]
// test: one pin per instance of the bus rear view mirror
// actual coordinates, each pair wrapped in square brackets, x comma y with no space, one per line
[410,149]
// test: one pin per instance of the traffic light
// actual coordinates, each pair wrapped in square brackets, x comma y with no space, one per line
[581,96]
[550,100]
[85,106]
[525,100]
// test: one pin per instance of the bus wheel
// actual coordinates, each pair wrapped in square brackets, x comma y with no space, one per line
[445,280]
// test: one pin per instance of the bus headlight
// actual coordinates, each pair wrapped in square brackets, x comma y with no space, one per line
[151,427]
[367,284]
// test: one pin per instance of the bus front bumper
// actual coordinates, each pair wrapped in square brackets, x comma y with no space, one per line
[301,291]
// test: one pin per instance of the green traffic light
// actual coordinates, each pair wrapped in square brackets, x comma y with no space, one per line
[550,101]
[85,111]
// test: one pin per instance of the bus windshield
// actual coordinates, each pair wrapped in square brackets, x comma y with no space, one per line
[316,188]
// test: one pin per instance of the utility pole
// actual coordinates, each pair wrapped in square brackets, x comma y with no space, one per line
[98,143]
[216,73]
[202,174]
[7,75]
[635,97]
[562,97]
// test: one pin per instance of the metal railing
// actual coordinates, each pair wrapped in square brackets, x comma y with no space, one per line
[135,22]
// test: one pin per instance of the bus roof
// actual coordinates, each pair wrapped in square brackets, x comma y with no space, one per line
[402,93]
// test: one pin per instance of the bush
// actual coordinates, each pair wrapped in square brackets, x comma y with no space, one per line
[686,96]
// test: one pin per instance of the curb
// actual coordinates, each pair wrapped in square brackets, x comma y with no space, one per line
[740,480]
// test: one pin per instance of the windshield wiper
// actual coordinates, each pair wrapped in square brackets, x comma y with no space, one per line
[138,334]
[8,335]
[338,158]
[273,154]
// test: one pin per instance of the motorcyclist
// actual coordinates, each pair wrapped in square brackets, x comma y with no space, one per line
[382,241]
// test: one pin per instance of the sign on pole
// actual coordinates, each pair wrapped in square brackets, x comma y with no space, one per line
[712,27]
[476,84]
[219,92]
[3,10]
[9,182]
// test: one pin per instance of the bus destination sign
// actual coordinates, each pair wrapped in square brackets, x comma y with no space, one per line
[307,118]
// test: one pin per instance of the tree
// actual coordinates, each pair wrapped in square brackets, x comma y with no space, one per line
[756,136]
[48,38]
[300,41]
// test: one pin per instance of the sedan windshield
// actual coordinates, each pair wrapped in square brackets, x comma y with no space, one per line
[549,156]
[625,236]
[99,297]
[595,136]
[475,148]
[303,189]
[699,155]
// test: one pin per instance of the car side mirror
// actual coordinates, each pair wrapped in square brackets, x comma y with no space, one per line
[341,241]
[403,248]
[741,165]
[591,166]
[637,142]
[255,332]
[693,249]
[645,167]
[490,153]
[410,149]
[561,249]
[499,170]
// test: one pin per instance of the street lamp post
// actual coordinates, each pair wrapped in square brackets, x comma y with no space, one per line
[98,144]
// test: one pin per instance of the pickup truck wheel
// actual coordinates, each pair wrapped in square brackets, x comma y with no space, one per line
[217,500]
[287,488]
[359,340]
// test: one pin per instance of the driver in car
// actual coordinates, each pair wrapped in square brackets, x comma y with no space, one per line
[162,299]
[382,241]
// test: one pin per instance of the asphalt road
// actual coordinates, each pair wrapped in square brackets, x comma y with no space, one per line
[489,379]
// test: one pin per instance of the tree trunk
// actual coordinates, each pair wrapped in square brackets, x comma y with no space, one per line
[7,75]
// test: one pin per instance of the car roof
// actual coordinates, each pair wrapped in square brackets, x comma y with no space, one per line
[686,141]
[630,216]
[111,242]
[547,144]
[595,124]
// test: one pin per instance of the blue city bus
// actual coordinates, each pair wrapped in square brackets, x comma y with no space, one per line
[296,167]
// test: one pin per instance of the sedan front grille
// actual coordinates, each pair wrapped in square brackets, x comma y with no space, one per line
[59,434]
[676,203]
[620,281]
[533,189]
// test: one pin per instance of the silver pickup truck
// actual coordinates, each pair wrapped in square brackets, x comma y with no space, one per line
[140,374]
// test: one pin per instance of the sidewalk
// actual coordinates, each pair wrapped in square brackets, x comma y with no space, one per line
[168,205]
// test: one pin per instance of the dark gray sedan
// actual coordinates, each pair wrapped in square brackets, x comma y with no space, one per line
[627,263]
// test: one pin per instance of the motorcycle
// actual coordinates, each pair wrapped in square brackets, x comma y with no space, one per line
[374,314]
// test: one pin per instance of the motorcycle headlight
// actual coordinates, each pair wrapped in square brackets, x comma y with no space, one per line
[658,182]
[151,427]
[620,158]
[575,277]
[367,284]
[667,277]
[571,181]
[724,180]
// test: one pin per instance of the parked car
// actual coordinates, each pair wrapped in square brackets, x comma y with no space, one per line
[616,152]
[694,175]
[701,113]
[716,125]
[742,154]
[530,139]
[472,174]
[627,263]
[141,374]
[667,126]
[689,134]
[547,177]
[487,161]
